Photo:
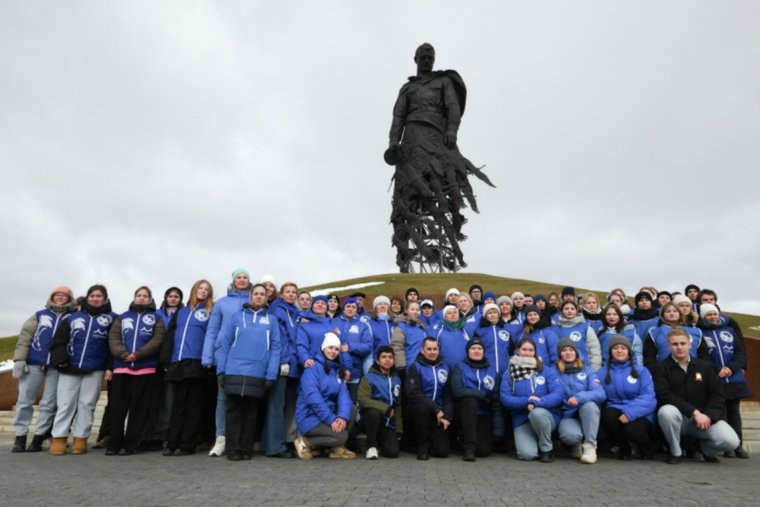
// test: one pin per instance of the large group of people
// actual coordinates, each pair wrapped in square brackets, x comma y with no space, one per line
[304,376]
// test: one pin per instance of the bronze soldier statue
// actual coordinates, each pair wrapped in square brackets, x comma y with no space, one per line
[431,174]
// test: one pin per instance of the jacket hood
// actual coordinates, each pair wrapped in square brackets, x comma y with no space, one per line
[150,306]
[97,310]
[68,307]
[571,322]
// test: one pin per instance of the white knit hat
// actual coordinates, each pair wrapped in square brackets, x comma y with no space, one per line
[331,340]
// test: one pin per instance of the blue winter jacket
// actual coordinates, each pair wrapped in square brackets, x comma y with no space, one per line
[659,337]
[428,382]
[137,329]
[287,316]
[633,396]
[382,331]
[543,384]
[323,396]
[546,345]
[727,349]
[357,336]
[413,335]
[310,335]
[580,331]
[584,385]
[250,345]
[477,380]
[386,389]
[190,332]
[496,344]
[629,331]
[224,309]
[452,342]
[81,340]
[47,324]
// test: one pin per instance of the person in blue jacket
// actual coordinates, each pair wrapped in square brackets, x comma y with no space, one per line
[310,333]
[629,414]
[279,426]
[539,329]
[582,394]
[324,412]
[355,343]
[495,336]
[181,354]
[134,339]
[645,316]
[613,323]
[572,324]
[31,367]
[381,323]
[428,315]
[656,346]
[533,395]
[247,363]
[451,336]
[407,336]
[80,353]
[477,410]
[238,294]
[428,391]
[381,407]
[728,356]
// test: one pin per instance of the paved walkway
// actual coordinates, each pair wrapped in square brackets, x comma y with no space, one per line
[153,480]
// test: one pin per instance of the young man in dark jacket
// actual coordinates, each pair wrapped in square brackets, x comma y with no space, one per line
[691,401]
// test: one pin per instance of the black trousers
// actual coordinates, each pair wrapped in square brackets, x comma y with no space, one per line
[241,414]
[477,430]
[734,416]
[431,438]
[105,422]
[379,435]
[639,431]
[130,395]
[186,414]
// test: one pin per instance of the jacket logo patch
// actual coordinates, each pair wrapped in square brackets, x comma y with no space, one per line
[540,380]
[396,390]
[488,382]
[632,380]
[503,335]
[149,320]
[264,320]
[726,336]
[77,325]
[541,340]
[581,376]
[104,320]
[364,319]
[353,329]
[201,315]
[442,376]
[127,324]
[575,336]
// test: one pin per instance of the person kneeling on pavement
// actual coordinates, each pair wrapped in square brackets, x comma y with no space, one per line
[691,401]
[428,390]
[380,404]
[324,413]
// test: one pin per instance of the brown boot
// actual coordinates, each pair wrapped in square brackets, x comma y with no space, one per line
[79,446]
[58,446]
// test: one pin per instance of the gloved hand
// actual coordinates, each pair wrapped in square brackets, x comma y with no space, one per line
[19,369]
[220,379]
[284,370]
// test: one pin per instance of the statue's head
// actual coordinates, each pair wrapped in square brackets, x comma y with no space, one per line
[424,57]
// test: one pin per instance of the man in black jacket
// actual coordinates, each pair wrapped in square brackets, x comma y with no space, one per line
[691,402]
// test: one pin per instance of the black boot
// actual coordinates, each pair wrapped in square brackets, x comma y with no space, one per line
[36,445]
[19,445]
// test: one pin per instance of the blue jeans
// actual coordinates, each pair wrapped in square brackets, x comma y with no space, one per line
[534,435]
[718,438]
[221,411]
[28,385]
[573,431]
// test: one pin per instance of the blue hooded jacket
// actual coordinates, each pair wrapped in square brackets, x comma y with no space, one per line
[323,396]
[543,384]
[546,345]
[357,336]
[496,340]
[309,337]
[633,396]
[452,342]
[287,316]
[584,385]
[190,332]
[382,331]
[629,331]
[224,309]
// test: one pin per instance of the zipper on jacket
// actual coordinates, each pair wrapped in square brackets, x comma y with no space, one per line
[435,383]
[55,327]
[496,347]
[184,333]
[135,333]
[86,340]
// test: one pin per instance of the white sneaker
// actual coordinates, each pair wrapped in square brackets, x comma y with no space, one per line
[576,451]
[589,454]
[371,453]
[302,447]
[218,449]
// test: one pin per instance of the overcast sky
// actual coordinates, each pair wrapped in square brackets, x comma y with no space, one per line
[162,142]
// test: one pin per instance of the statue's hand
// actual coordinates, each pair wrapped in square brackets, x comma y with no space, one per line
[450,140]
